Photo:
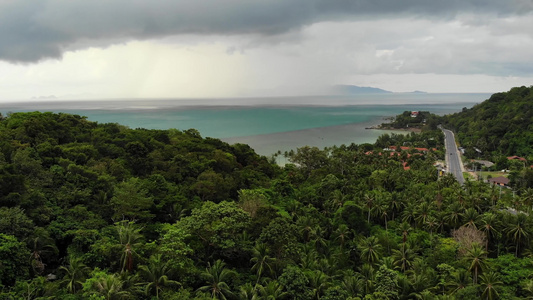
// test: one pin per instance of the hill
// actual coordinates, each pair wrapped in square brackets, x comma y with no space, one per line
[502,124]
[354,90]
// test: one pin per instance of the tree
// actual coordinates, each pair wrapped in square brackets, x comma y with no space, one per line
[216,276]
[75,274]
[370,249]
[295,283]
[108,286]
[489,282]
[403,257]
[131,201]
[489,223]
[13,260]
[517,229]
[216,225]
[387,282]
[156,276]
[262,260]
[130,239]
[475,257]
[13,221]
[174,249]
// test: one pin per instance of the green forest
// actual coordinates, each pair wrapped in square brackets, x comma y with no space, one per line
[102,211]
[501,125]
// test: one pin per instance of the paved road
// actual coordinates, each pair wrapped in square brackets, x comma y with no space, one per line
[453,159]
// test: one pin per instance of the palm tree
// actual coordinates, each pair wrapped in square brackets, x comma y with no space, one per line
[476,257]
[470,218]
[528,288]
[370,249]
[271,291]
[318,282]
[262,260]
[403,257]
[248,291]
[342,234]
[404,229]
[156,276]
[41,245]
[130,239]
[423,212]
[367,278]
[409,214]
[517,228]
[111,287]
[453,214]
[75,274]
[216,276]
[489,221]
[489,281]
[369,199]
[460,280]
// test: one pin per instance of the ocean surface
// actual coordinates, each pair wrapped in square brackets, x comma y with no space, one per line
[266,124]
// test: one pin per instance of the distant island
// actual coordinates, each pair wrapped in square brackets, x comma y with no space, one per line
[358,90]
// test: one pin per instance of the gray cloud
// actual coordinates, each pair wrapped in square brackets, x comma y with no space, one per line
[31,31]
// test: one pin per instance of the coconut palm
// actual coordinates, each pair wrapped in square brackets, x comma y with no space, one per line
[155,274]
[342,234]
[271,291]
[454,214]
[517,228]
[318,282]
[216,276]
[111,287]
[262,261]
[460,279]
[75,274]
[403,257]
[130,239]
[488,224]
[370,249]
[476,257]
[42,246]
[489,282]
[470,218]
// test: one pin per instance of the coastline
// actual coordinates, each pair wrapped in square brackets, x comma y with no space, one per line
[379,127]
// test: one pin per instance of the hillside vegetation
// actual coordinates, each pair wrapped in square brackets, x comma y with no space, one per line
[102,211]
[503,124]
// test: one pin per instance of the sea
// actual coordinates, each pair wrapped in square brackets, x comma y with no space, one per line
[268,125]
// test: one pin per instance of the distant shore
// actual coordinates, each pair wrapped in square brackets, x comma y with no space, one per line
[379,127]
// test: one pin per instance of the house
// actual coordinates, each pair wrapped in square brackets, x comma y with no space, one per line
[414,114]
[500,180]
[514,157]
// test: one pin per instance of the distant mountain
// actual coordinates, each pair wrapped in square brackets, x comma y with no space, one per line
[353,89]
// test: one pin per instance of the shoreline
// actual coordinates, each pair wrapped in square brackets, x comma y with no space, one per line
[379,127]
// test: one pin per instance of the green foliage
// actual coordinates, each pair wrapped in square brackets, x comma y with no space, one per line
[295,283]
[499,124]
[216,225]
[118,213]
[13,260]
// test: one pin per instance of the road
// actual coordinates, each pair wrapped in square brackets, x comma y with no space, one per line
[453,159]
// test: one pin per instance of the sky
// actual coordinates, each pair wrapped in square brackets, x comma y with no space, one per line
[100,49]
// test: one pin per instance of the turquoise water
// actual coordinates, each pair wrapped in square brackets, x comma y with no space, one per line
[268,124]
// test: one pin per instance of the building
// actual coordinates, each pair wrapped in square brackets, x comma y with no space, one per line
[500,180]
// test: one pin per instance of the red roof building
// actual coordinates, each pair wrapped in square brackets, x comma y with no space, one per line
[516,158]
[500,180]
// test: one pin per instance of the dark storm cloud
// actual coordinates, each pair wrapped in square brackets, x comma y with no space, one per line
[34,30]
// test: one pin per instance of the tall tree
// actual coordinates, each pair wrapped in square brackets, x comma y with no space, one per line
[215,276]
